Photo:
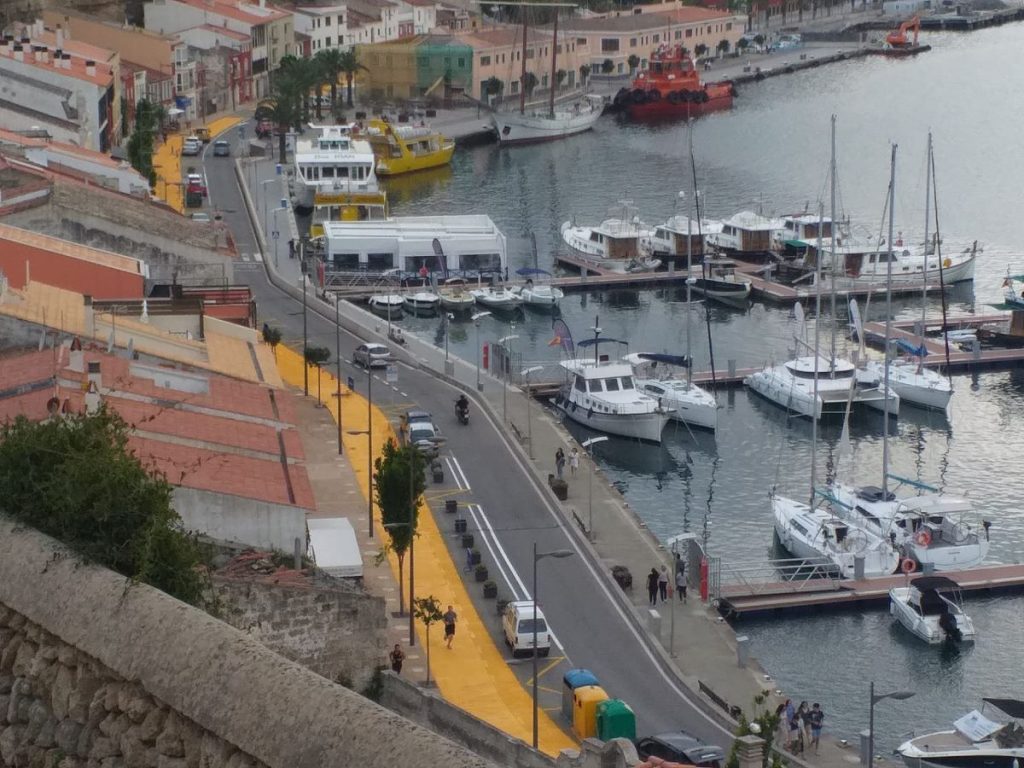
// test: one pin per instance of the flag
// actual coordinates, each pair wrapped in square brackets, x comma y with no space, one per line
[563,336]
[555,342]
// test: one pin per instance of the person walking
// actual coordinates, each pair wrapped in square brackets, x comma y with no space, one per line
[816,718]
[805,725]
[574,461]
[449,626]
[796,729]
[559,462]
[397,657]
[652,586]
[789,718]
[782,729]
[680,578]
[663,584]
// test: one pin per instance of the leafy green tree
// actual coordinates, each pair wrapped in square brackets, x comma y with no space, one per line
[607,66]
[350,66]
[493,86]
[148,117]
[743,44]
[763,723]
[701,50]
[271,336]
[282,109]
[316,357]
[428,610]
[560,76]
[633,61]
[723,46]
[76,479]
[584,73]
[330,62]
[529,82]
[400,478]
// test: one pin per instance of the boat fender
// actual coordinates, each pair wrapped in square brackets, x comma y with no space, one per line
[639,96]
[923,538]
[653,95]
[590,413]
[908,565]
[674,97]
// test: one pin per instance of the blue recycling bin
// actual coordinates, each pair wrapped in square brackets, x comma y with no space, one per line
[572,680]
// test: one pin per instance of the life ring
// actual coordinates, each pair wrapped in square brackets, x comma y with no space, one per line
[923,538]
[653,95]
[673,97]
[639,96]
[908,565]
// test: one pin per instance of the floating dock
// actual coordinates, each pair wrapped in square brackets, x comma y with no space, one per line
[744,600]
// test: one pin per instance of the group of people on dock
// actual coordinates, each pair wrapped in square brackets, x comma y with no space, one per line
[658,582]
[799,727]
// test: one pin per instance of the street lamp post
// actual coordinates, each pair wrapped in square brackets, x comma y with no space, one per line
[277,239]
[369,443]
[337,362]
[537,556]
[590,483]
[266,199]
[898,696]
[305,337]
[369,468]
[476,321]
[504,400]
[529,421]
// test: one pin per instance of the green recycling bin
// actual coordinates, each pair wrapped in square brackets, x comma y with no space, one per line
[615,720]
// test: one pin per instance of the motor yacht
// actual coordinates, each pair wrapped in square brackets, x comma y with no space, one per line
[975,740]
[455,295]
[387,305]
[684,400]
[931,609]
[496,297]
[618,243]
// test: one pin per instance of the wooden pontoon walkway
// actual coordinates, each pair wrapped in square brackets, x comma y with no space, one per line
[737,600]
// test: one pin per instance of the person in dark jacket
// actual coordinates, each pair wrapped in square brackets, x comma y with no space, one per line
[652,586]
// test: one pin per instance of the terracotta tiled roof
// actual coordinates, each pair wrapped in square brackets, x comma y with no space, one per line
[250,13]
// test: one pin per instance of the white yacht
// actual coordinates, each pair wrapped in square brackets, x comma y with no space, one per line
[817,535]
[421,300]
[797,230]
[914,383]
[974,741]
[332,162]
[496,297]
[602,396]
[531,126]
[619,243]
[684,400]
[864,261]
[930,529]
[719,281]
[746,235]
[455,295]
[792,386]
[535,293]
[669,239]
[387,305]
[931,608]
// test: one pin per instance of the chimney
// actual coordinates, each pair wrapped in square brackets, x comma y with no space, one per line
[65,61]
[5,49]
[57,57]
[44,54]
[90,68]
[60,36]
[92,389]
[19,54]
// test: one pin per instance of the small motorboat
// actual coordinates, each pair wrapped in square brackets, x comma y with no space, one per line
[537,294]
[455,295]
[931,608]
[721,282]
[421,300]
[387,305]
[497,297]
[974,741]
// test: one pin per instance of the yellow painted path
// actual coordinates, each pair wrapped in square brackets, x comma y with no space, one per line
[167,162]
[473,675]
[221,124]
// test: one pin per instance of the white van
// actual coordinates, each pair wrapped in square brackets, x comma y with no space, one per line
[518,624]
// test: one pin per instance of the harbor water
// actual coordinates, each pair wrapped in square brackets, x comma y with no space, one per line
[772,152]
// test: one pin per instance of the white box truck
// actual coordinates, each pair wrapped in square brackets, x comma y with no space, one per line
[334,548]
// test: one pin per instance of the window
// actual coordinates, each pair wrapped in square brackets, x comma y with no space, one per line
[462,64]
[485,61]
[627,382]
[580,385]
[689,33]
[595,385]
[327,21]
[679,34]
[609,44]
[346,260]
[529,53]
[612,385]
[526,626]
[632,42]
[656,39]
[728,26]
[327,41]
[378,262]
[581,41]
[515,87]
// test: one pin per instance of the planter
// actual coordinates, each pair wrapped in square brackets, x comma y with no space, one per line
[467,538]
[481,573]
[451,506]
[438,474]
[460,525]
[474,557]
[490,590]
[622,576]
[559,486]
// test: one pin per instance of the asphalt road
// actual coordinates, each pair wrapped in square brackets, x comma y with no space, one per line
[509,511]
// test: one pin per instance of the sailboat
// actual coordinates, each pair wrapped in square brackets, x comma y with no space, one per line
[913,382]
[528,126]
[927,529]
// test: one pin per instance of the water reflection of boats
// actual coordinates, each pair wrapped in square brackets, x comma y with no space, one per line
[411,186]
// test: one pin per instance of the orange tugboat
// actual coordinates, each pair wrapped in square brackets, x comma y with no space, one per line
[670,87]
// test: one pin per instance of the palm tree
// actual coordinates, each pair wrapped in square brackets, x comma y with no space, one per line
[303,74]
[283,110]
[529,83]
[607,66]
[701,50]
[584,73]
[723,46]
[350,66]
[330,62]
[493,87]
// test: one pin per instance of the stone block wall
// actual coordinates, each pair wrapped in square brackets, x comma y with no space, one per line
[339,632]
[60,708]
[100,672]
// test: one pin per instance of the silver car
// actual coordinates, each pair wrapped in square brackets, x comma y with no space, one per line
[371,356]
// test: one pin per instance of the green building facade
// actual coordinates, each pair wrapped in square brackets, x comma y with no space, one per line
[417,67]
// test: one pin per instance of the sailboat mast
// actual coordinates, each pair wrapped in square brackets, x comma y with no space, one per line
[554,64]
[888,327]
[832,245]
[689,255]
[927,221]
[938,257]
[817,339]
[522,77]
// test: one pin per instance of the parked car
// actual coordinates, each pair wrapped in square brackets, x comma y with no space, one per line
[192,146]
[681,747]
[411,416]
[518,624]
[194,184]
[426,437]
[221,148]
[371,355]
[201,217]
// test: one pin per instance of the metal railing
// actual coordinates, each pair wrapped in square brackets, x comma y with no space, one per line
[796,574]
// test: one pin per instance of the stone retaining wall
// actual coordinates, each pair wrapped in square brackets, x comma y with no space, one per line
[98,672]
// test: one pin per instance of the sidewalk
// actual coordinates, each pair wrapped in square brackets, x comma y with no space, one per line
[473,675]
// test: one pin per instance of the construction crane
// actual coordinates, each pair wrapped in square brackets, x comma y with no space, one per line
[898,38]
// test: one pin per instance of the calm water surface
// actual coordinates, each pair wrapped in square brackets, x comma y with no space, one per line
[772,152]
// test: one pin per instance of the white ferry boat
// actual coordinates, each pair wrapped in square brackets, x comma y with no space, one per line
[332,162]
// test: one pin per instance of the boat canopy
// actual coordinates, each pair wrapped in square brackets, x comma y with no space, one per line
[528,271]
[656,357]
[910,349]
[1013,707]
[595,342]
[934,584]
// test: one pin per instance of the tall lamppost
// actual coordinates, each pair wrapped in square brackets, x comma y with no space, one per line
[504,400]
[476,321]
[529,421]
[898,696]
[337,361]
[305,336]
[590,482]
[538,556]
[369,446]
[266,199]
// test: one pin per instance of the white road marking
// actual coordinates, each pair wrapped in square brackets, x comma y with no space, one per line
[465,480]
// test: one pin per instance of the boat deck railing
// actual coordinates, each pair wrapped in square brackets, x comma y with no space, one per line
[785,575]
